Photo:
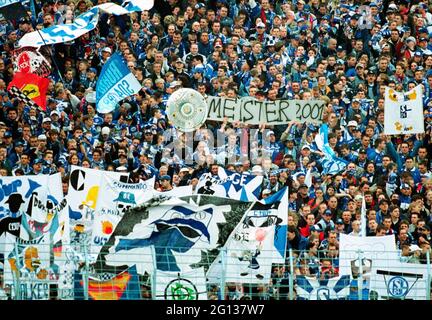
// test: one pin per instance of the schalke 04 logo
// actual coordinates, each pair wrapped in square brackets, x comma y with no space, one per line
[398,287]
[181,289]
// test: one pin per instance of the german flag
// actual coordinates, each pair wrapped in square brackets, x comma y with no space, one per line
[32,86]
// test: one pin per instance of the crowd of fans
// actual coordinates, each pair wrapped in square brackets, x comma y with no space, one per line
[343,52]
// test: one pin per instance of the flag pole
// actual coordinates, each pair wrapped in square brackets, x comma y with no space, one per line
[363,217]
[52,57]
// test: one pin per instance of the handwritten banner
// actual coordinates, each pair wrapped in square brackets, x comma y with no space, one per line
[252,111]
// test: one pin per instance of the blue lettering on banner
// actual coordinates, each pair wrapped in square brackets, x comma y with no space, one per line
[7,189]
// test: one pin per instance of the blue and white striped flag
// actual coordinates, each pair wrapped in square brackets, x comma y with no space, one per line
[4,3]
[330,162]
[84,23]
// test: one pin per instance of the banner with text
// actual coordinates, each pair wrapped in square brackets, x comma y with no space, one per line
[252,111]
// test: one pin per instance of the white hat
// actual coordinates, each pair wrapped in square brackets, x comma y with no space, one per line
[269,133]
[257,169]
[352,123]
[184,170]
[392,6]
[42,137]
[107,49]
[105,130]
[414,247]
[54,112]
[266,191]
[121,168]
[46,119]
[306,146]
[261,24]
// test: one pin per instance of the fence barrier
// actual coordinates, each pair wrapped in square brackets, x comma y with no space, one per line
[158,273]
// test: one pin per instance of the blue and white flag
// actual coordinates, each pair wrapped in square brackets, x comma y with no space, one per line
[310,288]
[330,162]
[4,3]
[170,235]
[233,185]
[84,23]
[115,83]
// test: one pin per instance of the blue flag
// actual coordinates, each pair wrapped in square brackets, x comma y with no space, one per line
[115,83]
[4,3]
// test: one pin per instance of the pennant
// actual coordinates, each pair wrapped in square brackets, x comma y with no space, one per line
[31,85]
[115,83]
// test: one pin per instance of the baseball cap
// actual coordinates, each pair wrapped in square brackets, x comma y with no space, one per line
[54,112]
[37,161]
[199,5]
[328,212]
[423,39]
[303,185]
[42,137]
[260,25]
[383,201]
[105,130]
[107,49]
[339,221]
[121,168]
[352,123]
[93,69]
[405,186]
[266,191]
[362,150]
[184,170]
[305,147]
[315,228]
[165,177]
[257,169]
[417,54]
[46,119]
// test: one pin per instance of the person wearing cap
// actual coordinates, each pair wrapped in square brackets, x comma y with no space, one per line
[165,183]
[326,223]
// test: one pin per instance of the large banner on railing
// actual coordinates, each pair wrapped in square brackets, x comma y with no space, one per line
[378,251]
[83,194]
[252,111]
[257,241]
[407,281]
[172,235]
[28,262]
[115,199]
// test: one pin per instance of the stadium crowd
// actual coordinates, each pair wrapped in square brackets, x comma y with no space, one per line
[342,52]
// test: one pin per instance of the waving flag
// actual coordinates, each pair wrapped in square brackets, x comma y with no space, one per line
[310,288]
[12,9]
[115,83]
[32,86]
[330,162]
[84,23]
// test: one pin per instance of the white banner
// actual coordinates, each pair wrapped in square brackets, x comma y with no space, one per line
[406,281]
[83,194]
[257,242]
[378,251]
[181,286]
[252,111]
[403,111]
[117,197]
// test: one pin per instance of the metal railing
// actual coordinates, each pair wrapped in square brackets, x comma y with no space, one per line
[155,273]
